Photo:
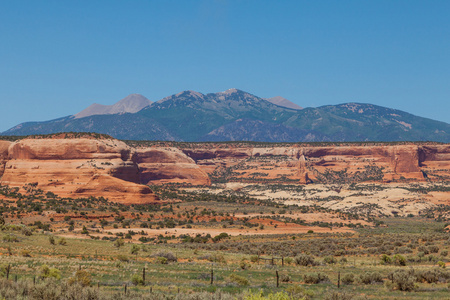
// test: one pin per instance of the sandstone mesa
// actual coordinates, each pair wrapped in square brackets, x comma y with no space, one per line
[86,166]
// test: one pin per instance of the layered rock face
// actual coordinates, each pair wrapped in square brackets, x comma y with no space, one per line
[305,164]
[4,145]
[168,165]
[82,167]
[78,167]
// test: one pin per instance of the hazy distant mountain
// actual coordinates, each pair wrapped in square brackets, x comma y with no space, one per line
[280,101]
[130,104]
[235,115]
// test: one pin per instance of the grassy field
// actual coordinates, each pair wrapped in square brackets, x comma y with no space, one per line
[67,245]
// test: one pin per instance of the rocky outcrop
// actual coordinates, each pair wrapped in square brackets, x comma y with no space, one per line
[81,167]
[168,165]
[4,145]
[77,167]
[306,163]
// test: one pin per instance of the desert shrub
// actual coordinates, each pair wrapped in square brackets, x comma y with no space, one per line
[123,258]
[288,260]
[284,278]
[9,238]
[404,280]
[433,249]
[167,255]
[423,249]
[370,278]
[219,237]
[62,241]
[444,253]
[335,295]
[348,278]
[298,292]
[305,260]
[119,243]
[386,259]
[26,231]
[47,272]
[271,296]
[399,260]
[239,280]
[81,277]
[137,280]
[162,260]
[315,278]
[244,265]
[217,257]
[25,253]
[329,260]
[432,275]
[254,258]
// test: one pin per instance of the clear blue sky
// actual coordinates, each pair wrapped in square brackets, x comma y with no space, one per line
[58,57]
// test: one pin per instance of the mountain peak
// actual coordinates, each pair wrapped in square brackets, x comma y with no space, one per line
[231,91]
[130,104]
[280,101]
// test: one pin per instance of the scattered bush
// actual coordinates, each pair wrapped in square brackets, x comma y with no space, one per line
[348,278]
[239,280]
[81,277]
[370,278]
[305,260]
[315,278]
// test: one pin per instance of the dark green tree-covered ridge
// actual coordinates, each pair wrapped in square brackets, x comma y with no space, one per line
[235,115]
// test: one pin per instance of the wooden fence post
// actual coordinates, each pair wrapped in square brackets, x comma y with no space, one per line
[143,275]
[8,268]
[278,282]
[212,276]
[125,288]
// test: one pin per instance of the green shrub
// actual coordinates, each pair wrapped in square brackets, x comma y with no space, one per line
[81,277]
[162,260]
[348,278]
[399,260]
[47,272]
[404,280]
[137,280]
[239,280]
[370,278]
[329,260]
[167,255]
[315,278]
[123,258]
[305,260]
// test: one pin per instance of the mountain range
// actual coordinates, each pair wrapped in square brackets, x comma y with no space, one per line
[235,115]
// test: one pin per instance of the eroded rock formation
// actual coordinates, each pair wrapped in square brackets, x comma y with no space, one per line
[78,167]
[168,164]
[86,166]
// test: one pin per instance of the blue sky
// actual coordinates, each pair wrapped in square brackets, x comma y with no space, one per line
[58,57]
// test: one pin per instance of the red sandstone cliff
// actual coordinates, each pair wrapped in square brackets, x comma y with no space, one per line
[105,167]
[77,168]
[168,164]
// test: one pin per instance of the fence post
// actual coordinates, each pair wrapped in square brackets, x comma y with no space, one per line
[212,276]
[143,275]
[8,268]
[278,283]
[282,261]
[125,288]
